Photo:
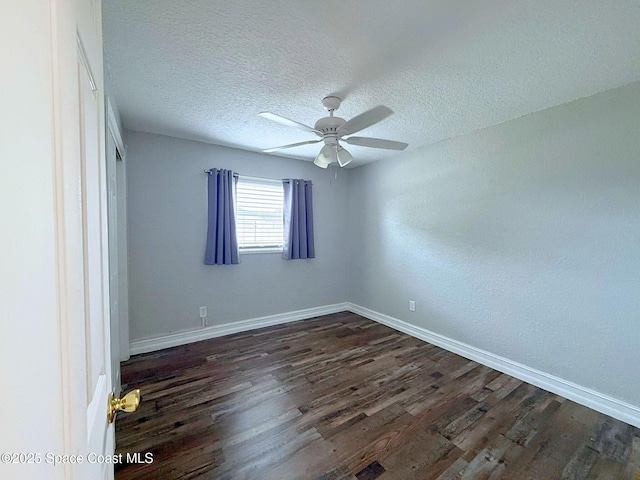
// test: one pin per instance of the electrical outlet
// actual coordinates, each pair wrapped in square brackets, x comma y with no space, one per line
[203,316]
[412,305]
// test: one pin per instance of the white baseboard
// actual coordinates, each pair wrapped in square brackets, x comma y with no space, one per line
[189,336]
[584,396]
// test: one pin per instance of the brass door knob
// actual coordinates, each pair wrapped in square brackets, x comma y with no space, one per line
[128,403]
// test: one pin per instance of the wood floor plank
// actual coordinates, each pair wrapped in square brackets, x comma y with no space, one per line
[422,455]
[342,397]
[309,462]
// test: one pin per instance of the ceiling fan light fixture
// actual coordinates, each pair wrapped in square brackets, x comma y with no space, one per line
[344,157]
[330,152]
[320,161]
[325,157]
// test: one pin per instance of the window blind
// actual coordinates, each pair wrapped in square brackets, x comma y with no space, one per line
[259,213]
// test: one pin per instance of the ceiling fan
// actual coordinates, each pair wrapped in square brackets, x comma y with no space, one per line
[332,131]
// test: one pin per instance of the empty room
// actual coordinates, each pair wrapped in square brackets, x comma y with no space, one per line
[323,240]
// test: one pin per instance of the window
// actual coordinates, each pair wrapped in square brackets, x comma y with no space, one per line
[259,204]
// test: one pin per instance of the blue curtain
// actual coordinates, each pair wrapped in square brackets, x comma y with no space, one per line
[298,220]
[222,243]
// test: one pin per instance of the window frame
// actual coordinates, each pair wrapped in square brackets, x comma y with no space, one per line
[269,248]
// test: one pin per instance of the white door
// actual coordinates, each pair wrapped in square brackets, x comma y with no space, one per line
[95,222]
[89,379]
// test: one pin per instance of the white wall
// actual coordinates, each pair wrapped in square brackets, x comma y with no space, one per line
[522,239]
[167,207]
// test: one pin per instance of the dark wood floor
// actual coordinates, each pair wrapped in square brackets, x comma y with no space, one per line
[342,397]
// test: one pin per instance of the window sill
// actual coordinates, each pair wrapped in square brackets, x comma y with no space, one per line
[253,251]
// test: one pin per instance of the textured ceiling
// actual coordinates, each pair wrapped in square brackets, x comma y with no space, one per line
[203,69]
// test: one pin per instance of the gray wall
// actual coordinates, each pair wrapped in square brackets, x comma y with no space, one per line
[167,206]
[522,239]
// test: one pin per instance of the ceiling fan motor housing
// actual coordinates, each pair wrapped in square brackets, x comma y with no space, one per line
[329,125]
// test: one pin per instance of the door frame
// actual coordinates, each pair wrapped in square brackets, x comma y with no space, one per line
[114,130]
[120,331]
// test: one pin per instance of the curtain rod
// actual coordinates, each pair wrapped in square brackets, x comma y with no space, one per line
[208,171]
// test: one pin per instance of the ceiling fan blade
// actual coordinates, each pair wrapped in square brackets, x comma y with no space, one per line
[269,150]
[288,122]
[365,120]
[375,143]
